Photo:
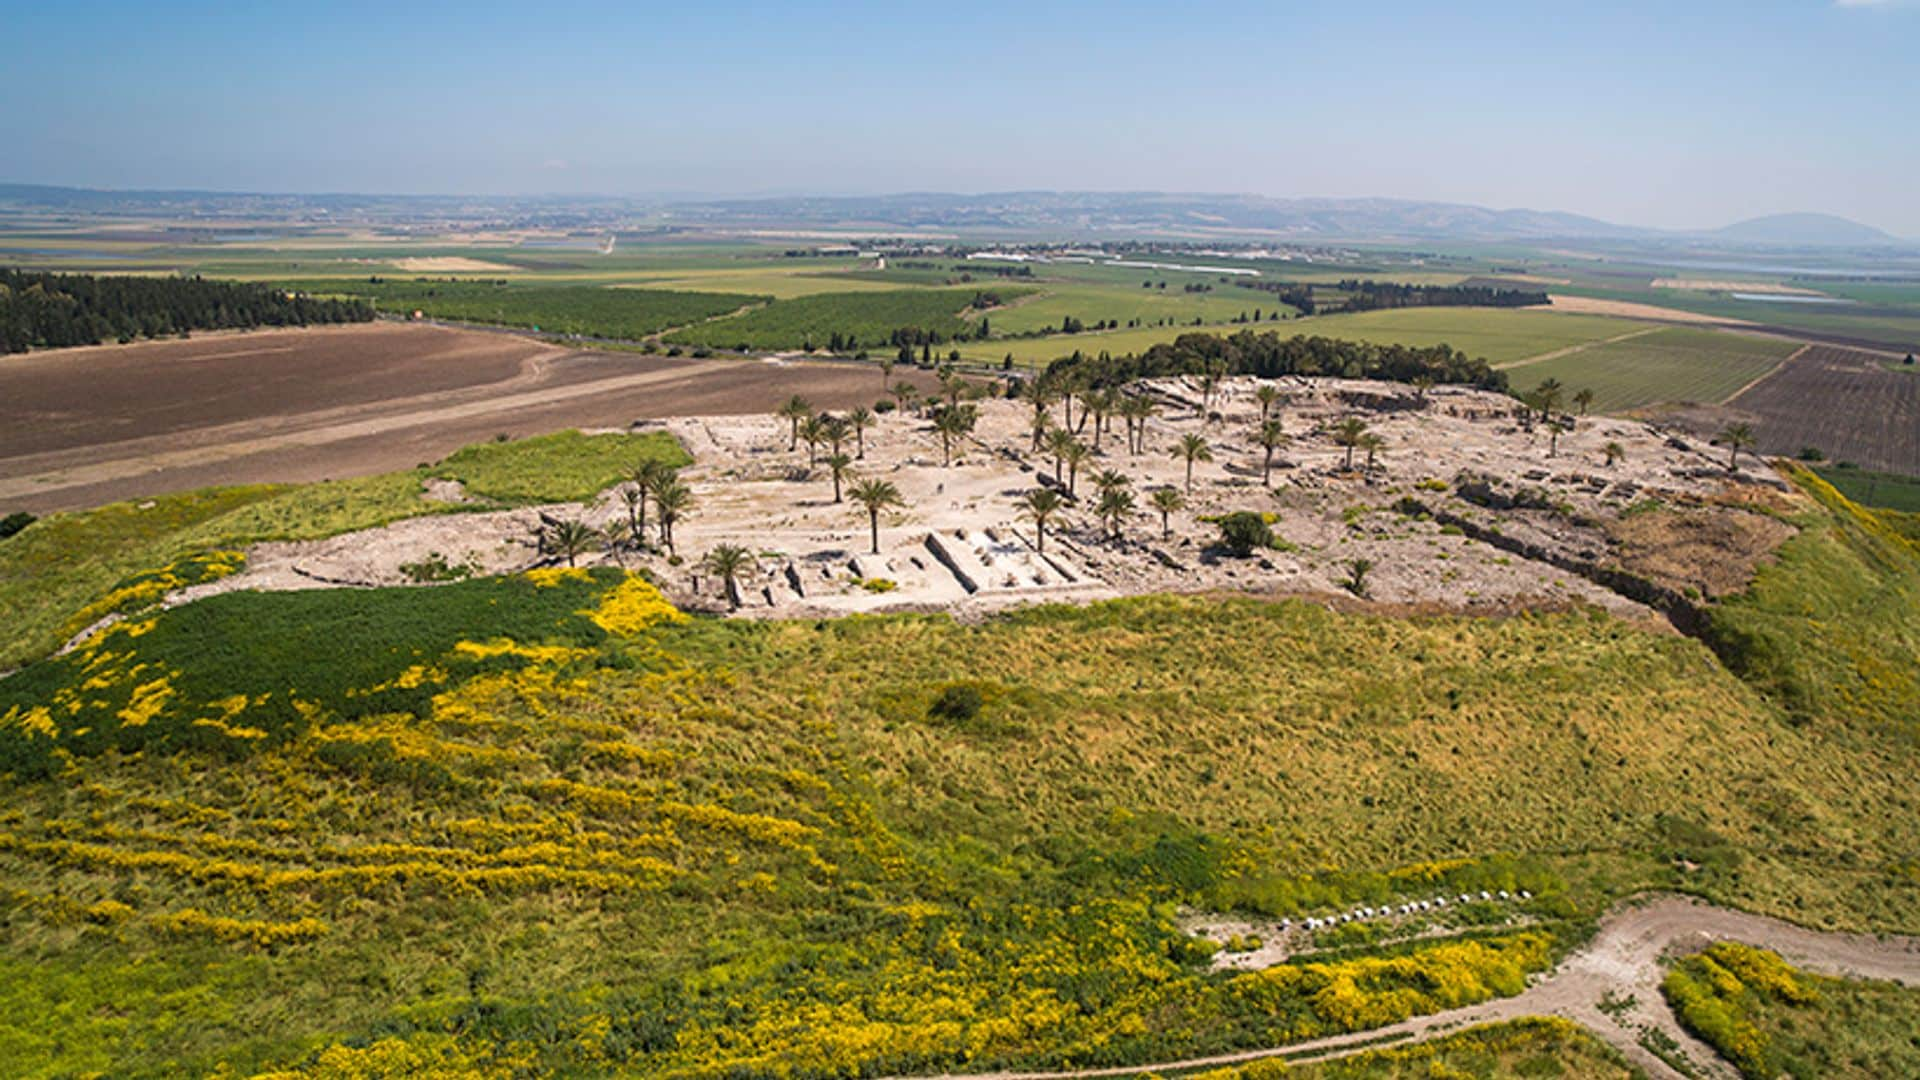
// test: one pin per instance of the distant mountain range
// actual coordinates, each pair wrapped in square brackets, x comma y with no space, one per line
[1031,214]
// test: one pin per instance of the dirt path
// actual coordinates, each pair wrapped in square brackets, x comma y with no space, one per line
[1623,960]
[1571,349]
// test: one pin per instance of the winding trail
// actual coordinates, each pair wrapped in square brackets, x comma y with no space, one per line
[1622,959]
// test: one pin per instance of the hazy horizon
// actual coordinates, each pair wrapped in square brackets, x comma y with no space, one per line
[1634,114]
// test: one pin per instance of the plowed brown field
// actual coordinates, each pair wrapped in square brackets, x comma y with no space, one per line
[79,427]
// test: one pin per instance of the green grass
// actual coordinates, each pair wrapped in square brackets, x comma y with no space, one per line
[1530,1047]
[1888,491]
[563,467]
[64,562]
[868,317]
[1499,335]
[626,314]
[1828,628]
[1123,304]
[1772,1020]
[1675,364]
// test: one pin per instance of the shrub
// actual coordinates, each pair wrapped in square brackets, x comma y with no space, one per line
[1243,531]
[14,522]
[957,704]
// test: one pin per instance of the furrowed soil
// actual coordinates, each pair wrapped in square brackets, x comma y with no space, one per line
[89,426]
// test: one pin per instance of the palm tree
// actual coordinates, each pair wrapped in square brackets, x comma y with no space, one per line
[635,496]
[571,538]
[1209,385]
[875,495]
[953,422]
[727,562]
[886,371]
[1614,452]
[860,418]
[836,430]
[1583,399]
[1111,480]
[1058,440]
[1041,421]
[1421,385]
[950,384]
[1736,437]
[1138,409]
[839,465]
[1372,444]
[813,432]
[672,500]
[1099,403]
[1075,453]
[793,411]
[1115,504]
[1167,500]
[904,393]
[1548,393]
[1272,437]
[1349,433]
[1554,428]
[1040,504]
[1190,449]
[1268,395]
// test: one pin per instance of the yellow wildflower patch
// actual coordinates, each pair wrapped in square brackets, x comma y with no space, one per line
[631,607]
[547,577]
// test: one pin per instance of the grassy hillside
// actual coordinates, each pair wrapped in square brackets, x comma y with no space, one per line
[545,824]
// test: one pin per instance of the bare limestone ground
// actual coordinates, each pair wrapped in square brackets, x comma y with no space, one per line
[1466,508]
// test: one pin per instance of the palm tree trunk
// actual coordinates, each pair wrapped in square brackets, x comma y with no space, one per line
[1189,476]
[873,521]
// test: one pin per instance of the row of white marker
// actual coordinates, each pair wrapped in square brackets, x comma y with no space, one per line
[1412,907]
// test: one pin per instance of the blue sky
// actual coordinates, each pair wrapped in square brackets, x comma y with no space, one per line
[1672,114]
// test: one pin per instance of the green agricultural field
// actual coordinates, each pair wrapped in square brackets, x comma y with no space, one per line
[1123,305]
[590,311]
[868,318]
[1499,335]
[1889,491]
[1674,364]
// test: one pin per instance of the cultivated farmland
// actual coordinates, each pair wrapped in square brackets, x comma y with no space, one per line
[1843,402]
[1675,364]
[869,319]
[1499,335]
[586,310]
[115,422]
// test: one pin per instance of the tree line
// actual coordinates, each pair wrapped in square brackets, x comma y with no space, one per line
[1269,356]
[1368,295]
[41,310]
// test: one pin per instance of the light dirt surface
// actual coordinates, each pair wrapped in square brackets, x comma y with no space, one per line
[1623,960]
[1771,288]
[448,264]
[961,544]
[1586,305]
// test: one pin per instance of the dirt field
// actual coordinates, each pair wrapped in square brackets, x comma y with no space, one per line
[88,426]
[1844,402]
[1586,305]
